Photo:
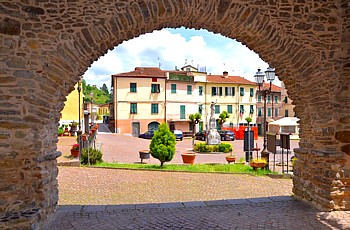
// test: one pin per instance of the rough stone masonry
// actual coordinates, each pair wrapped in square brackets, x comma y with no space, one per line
[46,45]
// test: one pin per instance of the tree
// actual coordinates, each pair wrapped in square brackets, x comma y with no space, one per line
[223,117]
[248,119]
[105,89]
[194,118]
[163,143]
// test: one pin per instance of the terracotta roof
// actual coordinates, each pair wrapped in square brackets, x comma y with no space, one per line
[274,88]
[143,72]
[229,79]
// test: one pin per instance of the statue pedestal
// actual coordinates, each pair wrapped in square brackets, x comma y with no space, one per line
[214,137]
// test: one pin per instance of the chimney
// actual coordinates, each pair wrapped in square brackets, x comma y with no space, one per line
[225,74]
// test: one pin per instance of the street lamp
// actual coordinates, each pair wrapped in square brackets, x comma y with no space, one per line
[79,90]
[91,97]
[259,78]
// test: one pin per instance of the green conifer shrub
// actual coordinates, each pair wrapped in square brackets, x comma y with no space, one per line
[163,143]
[90,154]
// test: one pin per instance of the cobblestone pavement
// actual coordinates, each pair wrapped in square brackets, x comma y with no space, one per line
[95,198]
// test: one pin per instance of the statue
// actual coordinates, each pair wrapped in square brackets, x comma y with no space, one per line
[213,135]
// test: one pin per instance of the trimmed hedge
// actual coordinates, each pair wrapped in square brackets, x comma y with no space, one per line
[205,148]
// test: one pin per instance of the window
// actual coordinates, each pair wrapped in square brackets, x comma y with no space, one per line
[200,90]
[217,109]
[154,79]
[216,91]
[251,110]
[285,100]
[200,109]
[155,88]
[133,108]
[182,112]
[189,90]
[241,109]
[154,108]
[229,91]
[173,88]
[276,112]
[251,92]
[259,112]
[229,108]
[276,98]
[268,98]
[259,97]
[269,112]
[286,113]
[241,91]
[132,87]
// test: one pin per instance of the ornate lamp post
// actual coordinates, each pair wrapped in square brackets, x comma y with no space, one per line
[259,78]
[91,98]
[79,111]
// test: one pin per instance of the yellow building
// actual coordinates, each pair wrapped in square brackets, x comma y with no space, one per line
[70,111]
[138,100]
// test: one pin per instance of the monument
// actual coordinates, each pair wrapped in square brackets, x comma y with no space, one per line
[213,135]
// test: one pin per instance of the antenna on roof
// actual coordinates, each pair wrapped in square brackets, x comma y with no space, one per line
[186,61]
[159,63]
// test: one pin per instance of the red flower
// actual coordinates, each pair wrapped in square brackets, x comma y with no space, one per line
[75,147]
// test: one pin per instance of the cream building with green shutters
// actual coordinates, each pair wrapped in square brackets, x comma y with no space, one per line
[148,96]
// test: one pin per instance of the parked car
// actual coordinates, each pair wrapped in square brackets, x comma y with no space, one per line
[147,135]
[201,135]
[179,135]
[227,135]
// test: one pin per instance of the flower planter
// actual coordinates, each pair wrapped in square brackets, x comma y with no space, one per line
[74,153]
[230,159]
[188,158]
[144,154]
[256,165]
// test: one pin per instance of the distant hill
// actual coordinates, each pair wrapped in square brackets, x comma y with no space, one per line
[101,96]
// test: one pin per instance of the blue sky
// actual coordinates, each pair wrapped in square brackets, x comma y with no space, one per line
[177,47]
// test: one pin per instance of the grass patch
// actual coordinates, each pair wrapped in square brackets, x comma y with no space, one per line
[199,168]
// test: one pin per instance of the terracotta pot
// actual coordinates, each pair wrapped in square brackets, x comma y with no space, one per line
[74,153]
[230,159]
[256,165]
[188,158]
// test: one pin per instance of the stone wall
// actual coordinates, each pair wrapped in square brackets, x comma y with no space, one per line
[46,45]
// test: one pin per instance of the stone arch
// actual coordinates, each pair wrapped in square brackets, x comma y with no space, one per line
[46,46]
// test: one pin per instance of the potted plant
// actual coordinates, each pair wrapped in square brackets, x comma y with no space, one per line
[258,163]
[60,131]
[73,127]
[188,157]
[74,151]
[231,158]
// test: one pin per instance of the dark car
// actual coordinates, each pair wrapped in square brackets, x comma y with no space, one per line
[227,135]
[147,135]
[178,134]
[201,135]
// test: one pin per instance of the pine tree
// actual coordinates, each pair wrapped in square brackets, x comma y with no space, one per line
[163,143]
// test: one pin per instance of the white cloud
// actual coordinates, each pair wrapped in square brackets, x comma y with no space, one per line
[173,49]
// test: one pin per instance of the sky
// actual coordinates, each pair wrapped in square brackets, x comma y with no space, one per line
[170,48]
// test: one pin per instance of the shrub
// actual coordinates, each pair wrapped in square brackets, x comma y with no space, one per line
[92,155]
[60,131]
[205,148]
[163,143]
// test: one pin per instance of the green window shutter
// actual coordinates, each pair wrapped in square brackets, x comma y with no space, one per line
[155,88]
[251,92]
[259,112]
[268,98]
[133,87]
[229,108]
[220,91]
[276,112]
[251,109]
[286,113]
[233,91]
[217,109]
[200,109]
[259,97]
[213,91]
[189,89]
[227,93]
[173,88]
[269,112]
[154,108]
[182,112]
[133,108]
[200,90]
[276,98]
[241,109]
[241,91]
